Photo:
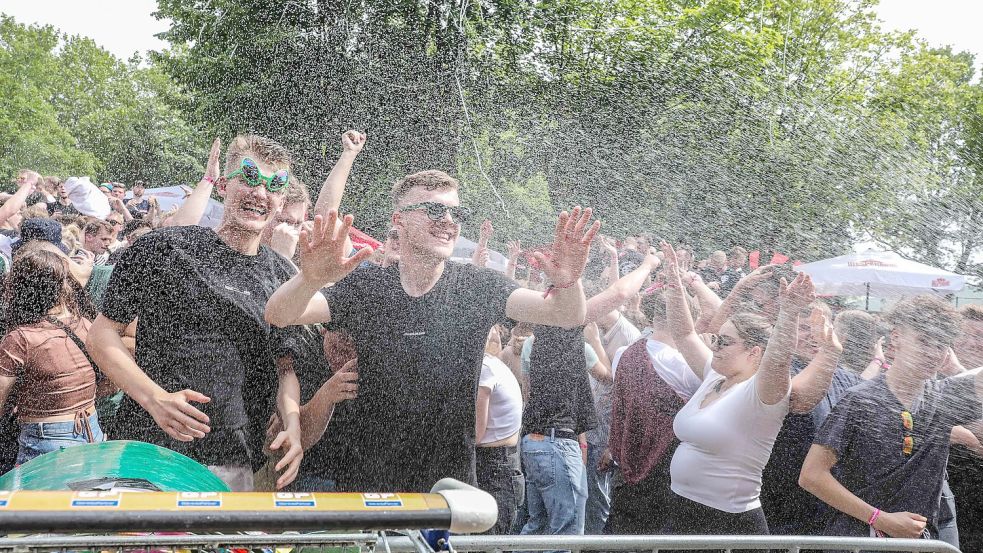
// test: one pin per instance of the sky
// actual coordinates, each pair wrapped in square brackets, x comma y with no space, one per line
[127,26]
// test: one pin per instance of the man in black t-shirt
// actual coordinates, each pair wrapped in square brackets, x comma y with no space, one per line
[889,437]
[199,297]
[419,329]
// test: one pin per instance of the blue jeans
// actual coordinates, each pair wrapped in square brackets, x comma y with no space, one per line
[38,438]
[556,486]
[598,493]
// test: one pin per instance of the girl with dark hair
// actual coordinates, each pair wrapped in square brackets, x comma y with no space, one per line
[729,425]
[41,355]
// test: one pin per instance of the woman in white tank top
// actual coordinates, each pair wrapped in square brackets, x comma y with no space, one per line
[727,429]
[497,422]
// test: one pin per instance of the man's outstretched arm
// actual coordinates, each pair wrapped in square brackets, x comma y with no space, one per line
[323,261]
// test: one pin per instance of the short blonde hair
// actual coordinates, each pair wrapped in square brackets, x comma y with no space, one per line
[431,180]
[297,193]
[250,145]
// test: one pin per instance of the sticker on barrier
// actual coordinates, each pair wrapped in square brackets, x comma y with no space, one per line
[199,500]
[95,500]
[294,500]
[381,500]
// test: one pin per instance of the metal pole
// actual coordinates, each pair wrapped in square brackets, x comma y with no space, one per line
[867,307]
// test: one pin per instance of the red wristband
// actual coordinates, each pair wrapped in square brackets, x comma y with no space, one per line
[208,179]
[551,287]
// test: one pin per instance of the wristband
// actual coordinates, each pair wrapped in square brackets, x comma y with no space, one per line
[583,446]
[873,517]
[208,179]
[551,287]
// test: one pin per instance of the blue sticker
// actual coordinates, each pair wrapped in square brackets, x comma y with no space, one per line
[383,503]
[95,503]
[200,503]
[295,503]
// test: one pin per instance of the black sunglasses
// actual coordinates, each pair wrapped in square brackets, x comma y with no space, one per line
[435,211]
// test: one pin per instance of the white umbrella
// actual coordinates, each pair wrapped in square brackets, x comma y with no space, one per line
[879,274]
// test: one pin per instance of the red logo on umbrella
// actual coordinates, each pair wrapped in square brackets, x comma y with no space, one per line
[940,283]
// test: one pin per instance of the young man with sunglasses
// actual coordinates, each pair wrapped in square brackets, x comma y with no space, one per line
[419,328]
[889,437]
[203,378]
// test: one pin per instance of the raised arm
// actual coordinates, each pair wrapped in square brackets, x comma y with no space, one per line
[334,186]
[809,387]
[515,249]
[601,370]
[563,305]
[730,303]
[172,411]
[621,290]
[773,378]
[26,181]
[688,342]
[194,206]
[323,261]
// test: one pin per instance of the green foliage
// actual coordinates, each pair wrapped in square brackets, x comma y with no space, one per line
[69,107]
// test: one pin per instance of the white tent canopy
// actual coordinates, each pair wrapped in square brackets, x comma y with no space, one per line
[170,197]
[879,274]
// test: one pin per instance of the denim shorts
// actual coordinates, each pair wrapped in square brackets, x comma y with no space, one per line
[38,438]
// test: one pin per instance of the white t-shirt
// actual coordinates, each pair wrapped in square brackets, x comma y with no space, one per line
[505,402]
[621,334]
[670,366]
[725,446]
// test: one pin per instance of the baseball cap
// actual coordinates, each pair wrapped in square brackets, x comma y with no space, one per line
[39,228]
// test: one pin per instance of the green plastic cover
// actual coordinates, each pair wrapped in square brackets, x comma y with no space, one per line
[113,465]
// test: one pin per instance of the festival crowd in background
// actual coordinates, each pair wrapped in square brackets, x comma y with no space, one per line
[597,385]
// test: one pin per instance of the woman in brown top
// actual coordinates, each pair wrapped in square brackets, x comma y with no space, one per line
[56,384]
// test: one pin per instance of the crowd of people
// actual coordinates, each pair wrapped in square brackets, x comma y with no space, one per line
[597,386]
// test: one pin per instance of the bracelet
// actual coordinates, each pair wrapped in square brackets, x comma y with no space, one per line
[551,287]
[208,179]
[882,362]
[583,446]
[873,517]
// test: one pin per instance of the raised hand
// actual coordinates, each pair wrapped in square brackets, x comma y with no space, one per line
[671,263]
[756,276]
[175,415]
[515,249]
[480,256]
[353,141]
[29,178]
[571,246]
[797,295]
[486,232]
[213,167]
[609,246]
[284,240]
[323,257]
[822,332]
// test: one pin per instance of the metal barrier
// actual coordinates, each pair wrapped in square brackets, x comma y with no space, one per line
[411,543]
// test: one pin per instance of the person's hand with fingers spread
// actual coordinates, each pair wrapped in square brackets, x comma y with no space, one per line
[514,248]
[288,440]
[323,258]
[353,142]
[609,246]
[799,294]
[571,246]
[174,414]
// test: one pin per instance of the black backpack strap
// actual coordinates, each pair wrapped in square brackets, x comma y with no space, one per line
[78,342]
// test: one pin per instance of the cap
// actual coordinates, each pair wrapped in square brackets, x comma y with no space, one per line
[39,228]
[107,186]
